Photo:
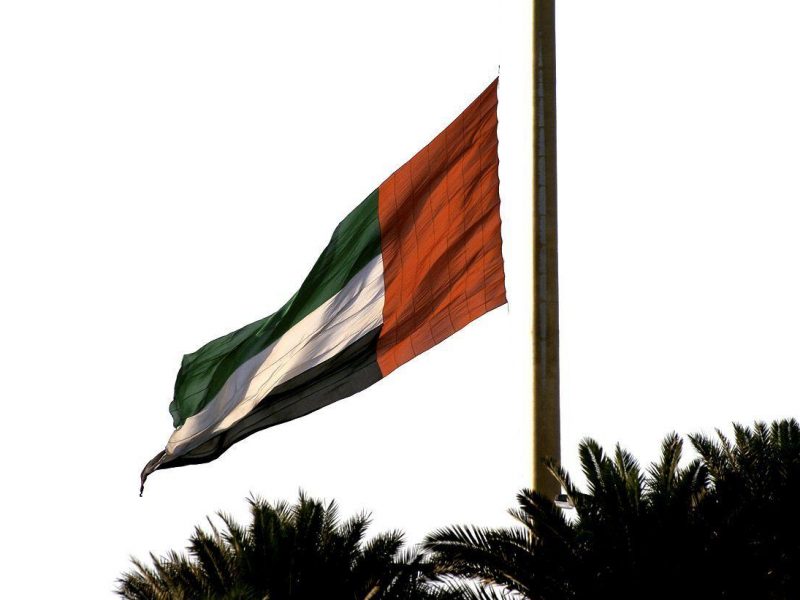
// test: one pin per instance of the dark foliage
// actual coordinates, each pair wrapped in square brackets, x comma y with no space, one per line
[724,526]
[752,514]
[287,552]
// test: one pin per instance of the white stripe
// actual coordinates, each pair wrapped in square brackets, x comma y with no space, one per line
[355,310]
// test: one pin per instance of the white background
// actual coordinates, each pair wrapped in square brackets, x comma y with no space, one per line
[170,170]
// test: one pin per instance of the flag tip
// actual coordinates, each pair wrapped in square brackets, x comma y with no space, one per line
[151,466]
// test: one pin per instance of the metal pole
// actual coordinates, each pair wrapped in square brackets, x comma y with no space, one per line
[546,411]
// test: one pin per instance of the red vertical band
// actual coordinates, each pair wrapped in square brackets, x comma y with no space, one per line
[440,234]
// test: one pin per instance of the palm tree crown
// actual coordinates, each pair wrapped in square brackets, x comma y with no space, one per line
[287,552]
[723,526]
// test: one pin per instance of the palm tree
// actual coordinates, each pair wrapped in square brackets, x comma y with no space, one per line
[287,552]
[633,534]
[753,511]
[724,526]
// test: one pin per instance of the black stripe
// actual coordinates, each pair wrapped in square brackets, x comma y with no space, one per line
[347,373]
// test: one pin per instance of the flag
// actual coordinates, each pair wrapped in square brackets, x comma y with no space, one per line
[413,263]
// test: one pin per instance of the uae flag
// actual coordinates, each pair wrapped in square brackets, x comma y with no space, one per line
[412,264]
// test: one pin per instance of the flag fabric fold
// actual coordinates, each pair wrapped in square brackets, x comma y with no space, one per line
[413,263]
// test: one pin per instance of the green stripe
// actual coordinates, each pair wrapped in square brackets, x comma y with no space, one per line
[356,241]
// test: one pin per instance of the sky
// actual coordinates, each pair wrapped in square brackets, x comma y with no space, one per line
[169,171]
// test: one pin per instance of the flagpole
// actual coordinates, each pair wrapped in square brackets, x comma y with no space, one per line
[546,409]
